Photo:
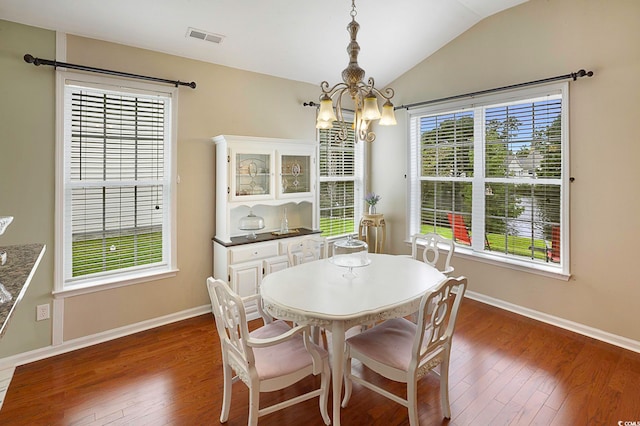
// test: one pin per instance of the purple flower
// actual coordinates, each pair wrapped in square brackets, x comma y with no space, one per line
[371,198]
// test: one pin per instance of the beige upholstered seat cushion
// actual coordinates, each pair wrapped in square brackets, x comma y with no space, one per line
[389,343]
[284,358]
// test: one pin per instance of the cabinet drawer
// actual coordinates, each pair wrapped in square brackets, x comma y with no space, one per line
[252,252]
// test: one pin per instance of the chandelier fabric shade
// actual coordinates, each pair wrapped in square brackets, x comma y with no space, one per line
[364,95]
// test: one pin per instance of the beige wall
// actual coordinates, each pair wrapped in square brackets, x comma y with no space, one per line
[26,170]
[539,39]
[226,101]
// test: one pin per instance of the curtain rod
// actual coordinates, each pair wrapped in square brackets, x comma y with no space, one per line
[317,105]
[573,75]
[39,61]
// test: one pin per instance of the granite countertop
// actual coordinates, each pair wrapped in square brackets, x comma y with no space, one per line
[267,236]
[15,275]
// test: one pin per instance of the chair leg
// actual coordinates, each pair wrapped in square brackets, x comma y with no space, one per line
[315,335]
[325,341]
[412,402]
[226,396]
[348,384]
[254,404]
[318,333]
[444,388]
[324,396]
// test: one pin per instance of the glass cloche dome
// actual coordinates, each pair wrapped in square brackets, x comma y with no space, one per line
[251,223]
[350,253]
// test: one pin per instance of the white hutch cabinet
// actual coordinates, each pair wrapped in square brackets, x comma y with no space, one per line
[267,177]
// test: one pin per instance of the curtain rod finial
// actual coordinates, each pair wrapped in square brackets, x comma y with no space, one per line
[181,83]
[581,73]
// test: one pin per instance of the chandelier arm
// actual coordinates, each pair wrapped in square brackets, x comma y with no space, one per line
[386,93]
[343,132]
[339,104]
[371,84]
[364,133]
[324,86]
[364,88]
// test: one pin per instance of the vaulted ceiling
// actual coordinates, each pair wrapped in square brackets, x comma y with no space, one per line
[302,40]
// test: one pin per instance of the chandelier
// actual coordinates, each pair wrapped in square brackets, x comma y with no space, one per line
[364,95]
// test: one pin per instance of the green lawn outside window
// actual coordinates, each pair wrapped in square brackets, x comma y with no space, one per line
[114,253]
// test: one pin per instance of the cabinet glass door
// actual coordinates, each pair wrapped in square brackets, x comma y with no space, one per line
[252,175]
[295,174]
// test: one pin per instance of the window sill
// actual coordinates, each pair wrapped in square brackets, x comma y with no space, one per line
[113,282]
[515,264]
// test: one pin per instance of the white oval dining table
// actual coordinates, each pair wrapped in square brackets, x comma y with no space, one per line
[323,294]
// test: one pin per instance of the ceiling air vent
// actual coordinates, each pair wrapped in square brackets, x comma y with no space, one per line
[203,35]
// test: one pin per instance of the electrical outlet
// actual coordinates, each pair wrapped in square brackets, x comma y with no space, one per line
[42,312]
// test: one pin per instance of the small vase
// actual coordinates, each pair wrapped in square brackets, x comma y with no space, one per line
[372,209]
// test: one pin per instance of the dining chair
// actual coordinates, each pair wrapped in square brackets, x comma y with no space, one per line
[270,358]
[433,243]
[304,250]
[307,249]
[403,351]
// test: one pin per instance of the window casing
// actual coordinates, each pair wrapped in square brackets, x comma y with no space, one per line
[495,166]
[340,179]
[117,187]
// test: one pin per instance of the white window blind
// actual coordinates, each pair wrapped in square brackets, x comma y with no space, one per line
[341,176]
[116,183]
[492,175]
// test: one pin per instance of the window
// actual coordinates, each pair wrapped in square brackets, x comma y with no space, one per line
[118,167]
[341,180]
[491,173]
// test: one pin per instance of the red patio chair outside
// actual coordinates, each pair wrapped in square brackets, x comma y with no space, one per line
[460,230]
[553,254]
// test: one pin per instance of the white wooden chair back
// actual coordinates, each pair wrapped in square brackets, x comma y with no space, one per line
[231,322]
[307,249]
[431,245]
[270,358]
[436,321]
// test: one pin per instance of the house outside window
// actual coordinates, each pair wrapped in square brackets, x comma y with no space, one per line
[492,174]
[341,176]
[117,189]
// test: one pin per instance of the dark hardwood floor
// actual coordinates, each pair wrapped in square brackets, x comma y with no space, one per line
[506,369]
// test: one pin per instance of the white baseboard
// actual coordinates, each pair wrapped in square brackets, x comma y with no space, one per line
[83,342]
[5,379]
[623,342]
